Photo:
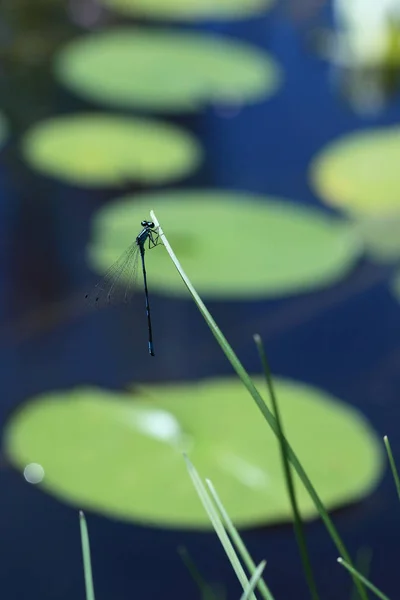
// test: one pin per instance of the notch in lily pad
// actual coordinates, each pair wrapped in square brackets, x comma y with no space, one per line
[100,447]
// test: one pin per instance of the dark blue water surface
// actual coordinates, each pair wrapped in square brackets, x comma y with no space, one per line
[345,339]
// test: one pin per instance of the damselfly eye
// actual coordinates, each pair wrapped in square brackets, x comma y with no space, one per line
[150,224]
[144,223]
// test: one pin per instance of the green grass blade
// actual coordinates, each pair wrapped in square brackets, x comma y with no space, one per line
[218,525]
[365,581]
[87,564]
[363,563]
[238,542]
[205,589]
[269,417]
[298,522]
[255,578]
[392,464]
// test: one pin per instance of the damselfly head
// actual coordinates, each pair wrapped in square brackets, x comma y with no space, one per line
[147,224]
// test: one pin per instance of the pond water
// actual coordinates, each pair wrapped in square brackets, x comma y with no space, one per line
[344,339]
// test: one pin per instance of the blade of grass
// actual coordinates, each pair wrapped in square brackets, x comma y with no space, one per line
[392,464]
[365,581]
[217,524]
[298,522]
[87,564]
[269,417]
[363,563]
[238,542]
[205,589]
[255,578]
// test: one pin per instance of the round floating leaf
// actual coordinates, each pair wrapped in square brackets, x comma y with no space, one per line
[154,70]
[360,172]
[122,455]
[381,237]
[233,245]
[395,285]
[189,9]
[3,130]
[98,149]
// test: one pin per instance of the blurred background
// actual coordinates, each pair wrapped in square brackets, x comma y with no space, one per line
[265,135]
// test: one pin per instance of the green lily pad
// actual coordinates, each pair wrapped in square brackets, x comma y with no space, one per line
[189,9]
[163,70]
[359,173]
[232,245]
[395,285]
[121,455]
[95,149]
[3,130]
[381,237]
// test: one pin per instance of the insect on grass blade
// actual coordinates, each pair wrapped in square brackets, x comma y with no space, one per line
[118,283]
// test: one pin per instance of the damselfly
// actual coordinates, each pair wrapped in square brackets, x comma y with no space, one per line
[119,281]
